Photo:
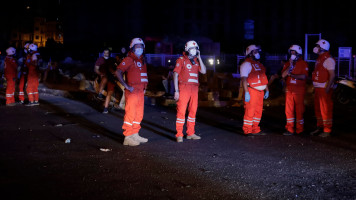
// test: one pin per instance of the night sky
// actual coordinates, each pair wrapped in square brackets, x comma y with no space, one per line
[96,24]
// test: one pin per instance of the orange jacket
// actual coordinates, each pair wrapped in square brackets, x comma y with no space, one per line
[10,67]
[188,71]
[257,76]
[301,68]
[135,69]
[320,73]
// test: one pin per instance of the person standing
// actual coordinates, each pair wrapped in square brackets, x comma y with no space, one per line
[295,72]
[323,80]
[254,81]
[101,69]
[33,75]
[186,85]
[10,72]
[23,74]
[135,69]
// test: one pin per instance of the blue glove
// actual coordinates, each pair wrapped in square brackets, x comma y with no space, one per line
[266,95]
[247,97]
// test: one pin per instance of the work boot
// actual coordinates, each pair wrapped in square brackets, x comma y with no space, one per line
[324,134]
[30,104]
[36,103]
[193,137]
[21,102]
[106,111]
[11,104]
[260,133]
[287,133]
[179,139]
[140,139]
[317,130]
[130,141]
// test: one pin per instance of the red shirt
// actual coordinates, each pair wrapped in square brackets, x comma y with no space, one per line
[301,68]
[188,71]
[135,69]
[320,73]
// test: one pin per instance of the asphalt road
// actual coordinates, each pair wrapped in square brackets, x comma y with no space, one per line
[36,163]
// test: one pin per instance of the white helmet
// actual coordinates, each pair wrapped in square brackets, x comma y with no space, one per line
[324,44]
[191,44]
[296,48]
[33,47]
[136,41]
[11,51]
[251,48]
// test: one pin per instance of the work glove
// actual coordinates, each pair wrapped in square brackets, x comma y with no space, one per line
[247,97]
[266,95]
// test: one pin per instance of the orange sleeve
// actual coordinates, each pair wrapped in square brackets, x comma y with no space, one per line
[303,69]
[125,64]
[179,65]
[284,68]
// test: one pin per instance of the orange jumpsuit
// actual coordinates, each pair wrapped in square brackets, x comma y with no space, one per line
[23,77]
[136,77]
[32,79]
[295,96]
[188,80]
[253,109]
[10,75]
[323,103]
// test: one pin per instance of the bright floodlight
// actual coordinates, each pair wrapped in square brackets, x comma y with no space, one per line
[211,61]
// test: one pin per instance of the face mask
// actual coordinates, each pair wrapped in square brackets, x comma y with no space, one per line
[316,50]
[139,51]
[293,57]
[192,52]
[106,57]
[257,56]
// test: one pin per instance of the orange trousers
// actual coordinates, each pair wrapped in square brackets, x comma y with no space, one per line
[253,112]
[32,87]
[10,89]
[133,111]
[22,83]
[323,105]
[188,96]
[294,111]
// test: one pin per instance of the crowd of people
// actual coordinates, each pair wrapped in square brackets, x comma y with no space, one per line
[130,74]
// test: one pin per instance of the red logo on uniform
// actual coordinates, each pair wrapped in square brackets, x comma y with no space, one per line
[194,43]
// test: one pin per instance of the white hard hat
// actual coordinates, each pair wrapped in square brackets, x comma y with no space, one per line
[296,48]
[11,51]
[33,47]
[251,48]
[191,44]
[136,41]
[324,44]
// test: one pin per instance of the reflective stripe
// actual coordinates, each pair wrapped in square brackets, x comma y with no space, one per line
[128,123]
[136,122]
[144,80]
[181,119]
[21,93]
[180,122]
[193,74]
[30,93]
[256,118]
[247,123]
[143,74]
[191,120]
[193,81]
[35,93]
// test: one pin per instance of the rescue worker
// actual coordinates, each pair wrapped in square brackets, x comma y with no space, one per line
[186,85]
[295,72]
[135,69]
[23,74]
[101,69]
[33,75]
[254,81]
[10,71]
[109,65]
[323,79]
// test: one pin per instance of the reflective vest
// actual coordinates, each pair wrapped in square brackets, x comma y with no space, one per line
[188,71]
[135,68]
[257,76]
[300,66]
[320,73]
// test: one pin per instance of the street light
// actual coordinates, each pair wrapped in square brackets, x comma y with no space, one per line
[211,61]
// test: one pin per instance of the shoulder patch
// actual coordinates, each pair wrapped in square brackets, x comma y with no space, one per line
[123,63]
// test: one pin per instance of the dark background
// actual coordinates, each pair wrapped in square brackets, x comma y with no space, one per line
[89,26]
